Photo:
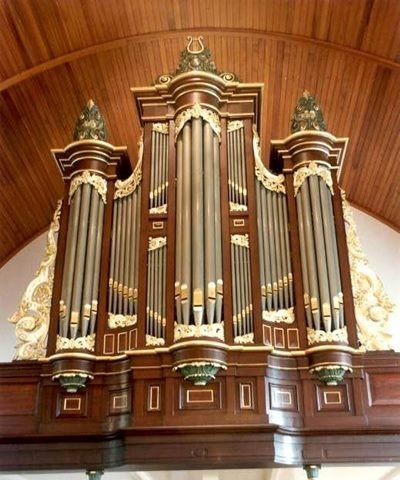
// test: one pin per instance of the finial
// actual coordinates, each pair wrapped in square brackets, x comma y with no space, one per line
[90,124]
[307,115]
[196,57]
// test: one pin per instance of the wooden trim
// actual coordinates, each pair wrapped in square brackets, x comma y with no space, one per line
[344,265]
[171,234]
[298,287]
[145,222]
[225,236]
[58,272]
[102,313]
[253,234]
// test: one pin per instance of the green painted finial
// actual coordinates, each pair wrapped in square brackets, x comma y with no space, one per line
[90,124]
[196,57]
[307,115]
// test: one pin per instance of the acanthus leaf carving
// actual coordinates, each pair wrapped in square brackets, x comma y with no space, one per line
[123,188]
[197,111]
[312,169]
[275,183]
[97,182]
[372,304]
[33,315]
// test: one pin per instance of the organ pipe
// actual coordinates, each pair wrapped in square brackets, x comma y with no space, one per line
[198,275]
[78,304]
[319,255]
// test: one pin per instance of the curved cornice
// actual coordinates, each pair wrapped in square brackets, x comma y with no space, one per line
[179,33]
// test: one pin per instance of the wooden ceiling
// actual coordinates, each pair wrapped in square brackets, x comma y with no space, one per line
[56,54]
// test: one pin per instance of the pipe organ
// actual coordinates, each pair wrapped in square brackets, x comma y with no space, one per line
[200,283]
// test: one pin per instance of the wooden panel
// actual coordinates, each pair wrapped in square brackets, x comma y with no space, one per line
[283,397]
[20,399]
[200,398]
[71,404]
[384,389]
[343,52]
[333,399]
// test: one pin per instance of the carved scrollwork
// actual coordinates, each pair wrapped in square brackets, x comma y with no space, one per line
[159,209]
[276,183]
[215,330]
[235,125]
[121,321]
[319,336]
[99,183]
[79,343]
[237,207]
[244,339]
[197,111]
[156,242]
[372,304]
[312,169]
[154,341]
[240,240]
[33,315]
[276,316]
[161,128]
[123,188]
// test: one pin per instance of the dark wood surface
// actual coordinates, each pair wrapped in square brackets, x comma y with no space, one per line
[357,421]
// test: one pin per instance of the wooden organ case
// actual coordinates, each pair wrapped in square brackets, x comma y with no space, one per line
[206,311]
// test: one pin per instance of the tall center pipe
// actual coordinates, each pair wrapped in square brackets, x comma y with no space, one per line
[197,220]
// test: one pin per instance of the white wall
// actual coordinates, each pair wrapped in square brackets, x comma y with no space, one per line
[380,243]
[14,278]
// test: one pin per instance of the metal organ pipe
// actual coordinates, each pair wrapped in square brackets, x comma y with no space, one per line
[198,277]
[197,220]
[273,237]
[72,235]
[320,262]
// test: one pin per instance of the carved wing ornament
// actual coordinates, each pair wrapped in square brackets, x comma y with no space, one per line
[123,188]
[33,315]
[372,304]
[275,183]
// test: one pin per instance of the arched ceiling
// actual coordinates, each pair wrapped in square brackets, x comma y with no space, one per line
[55,55]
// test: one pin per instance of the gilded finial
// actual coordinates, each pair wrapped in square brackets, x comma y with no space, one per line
[196,57]
[307,115]
[90,124]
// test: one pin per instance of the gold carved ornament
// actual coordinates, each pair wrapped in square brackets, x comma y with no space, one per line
[123,188]
[215,330]
[79,343]
[33,315]
[275,183]
[372,304]
[235,125]
[197,111]
[121,321]
[312,169]
[237,207]
[319,336]
[154,341]
[157,242]
[244,339]
[99,183]
[161,128]
[276,316]
[240,240]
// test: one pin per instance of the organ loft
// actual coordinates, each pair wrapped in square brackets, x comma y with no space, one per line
[201,306]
